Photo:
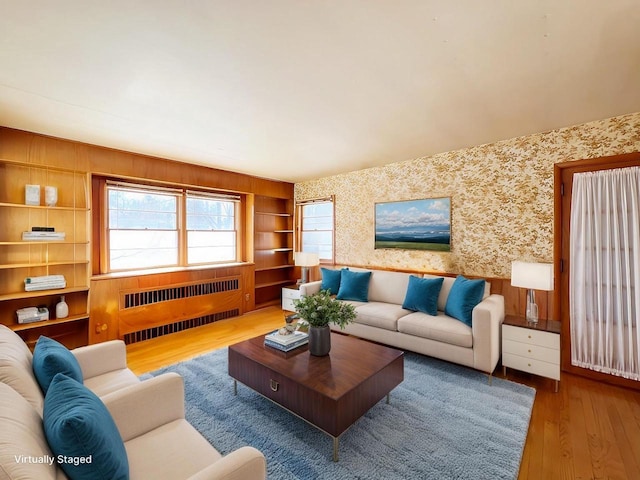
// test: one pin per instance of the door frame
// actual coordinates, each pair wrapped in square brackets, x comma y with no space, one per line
[563,184]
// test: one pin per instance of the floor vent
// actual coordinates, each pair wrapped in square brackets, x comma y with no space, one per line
[149,297]
[154,332]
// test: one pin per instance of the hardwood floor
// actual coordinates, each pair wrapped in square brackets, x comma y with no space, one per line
[588,430]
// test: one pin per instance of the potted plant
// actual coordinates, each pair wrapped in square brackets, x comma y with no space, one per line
[319,310]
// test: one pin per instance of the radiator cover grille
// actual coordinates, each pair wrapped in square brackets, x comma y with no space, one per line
[155,332]
[149,297]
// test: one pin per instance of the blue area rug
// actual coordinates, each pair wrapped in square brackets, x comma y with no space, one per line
[444,422]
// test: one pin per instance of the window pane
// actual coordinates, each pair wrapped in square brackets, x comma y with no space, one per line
[139,210]
[317,229]
[210,214]
[206,247]
[133,249]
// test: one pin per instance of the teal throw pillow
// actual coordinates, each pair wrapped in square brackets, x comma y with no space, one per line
[422,294]
[81,432]
[51,357]
[331,279]
[354,286]
[464,295]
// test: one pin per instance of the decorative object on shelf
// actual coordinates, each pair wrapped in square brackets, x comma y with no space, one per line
[50,196]
[305,260]
[32,194]
[532,276]
[62,309]
[32,314]
[42,236]
[319,310]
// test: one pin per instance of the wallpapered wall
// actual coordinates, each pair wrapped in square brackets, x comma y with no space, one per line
[501,198]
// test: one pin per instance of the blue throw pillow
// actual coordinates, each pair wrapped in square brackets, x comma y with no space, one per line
[51,357]
[331,280]
[422,294]
[464,295]
[81,431]
[354,286]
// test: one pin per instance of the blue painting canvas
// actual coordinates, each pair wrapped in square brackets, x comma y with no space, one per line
[414,224]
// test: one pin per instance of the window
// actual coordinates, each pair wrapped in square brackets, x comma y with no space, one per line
[316,228]
[151,227]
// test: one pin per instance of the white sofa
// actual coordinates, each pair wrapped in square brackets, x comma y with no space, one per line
[149,415]
[382,319]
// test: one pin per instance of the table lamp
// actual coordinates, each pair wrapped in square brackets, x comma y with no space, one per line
[532,276]
[305,260]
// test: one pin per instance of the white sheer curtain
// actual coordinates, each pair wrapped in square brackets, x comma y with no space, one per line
[604,279]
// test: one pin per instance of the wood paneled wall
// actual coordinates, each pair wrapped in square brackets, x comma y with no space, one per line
[105,290]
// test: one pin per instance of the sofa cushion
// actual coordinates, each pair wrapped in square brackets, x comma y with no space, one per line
[422,294]
[440,328]
[174,450]
[354,286]
[465,294]
[21,438]
[331,280]
[381,315]
[16,368]
[50,358]
[78,426]
[389,287]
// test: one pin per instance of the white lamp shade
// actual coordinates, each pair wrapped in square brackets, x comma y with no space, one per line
[536,276]
[306,259]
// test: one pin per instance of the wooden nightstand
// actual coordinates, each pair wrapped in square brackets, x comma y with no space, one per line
[531,347]
[289,294]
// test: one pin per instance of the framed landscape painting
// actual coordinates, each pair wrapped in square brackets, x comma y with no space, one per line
[414,224]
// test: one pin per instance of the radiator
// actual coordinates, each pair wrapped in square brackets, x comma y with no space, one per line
[152,312]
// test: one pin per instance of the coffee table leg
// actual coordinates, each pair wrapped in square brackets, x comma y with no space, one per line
[235,387]
[336,442]
[388,398]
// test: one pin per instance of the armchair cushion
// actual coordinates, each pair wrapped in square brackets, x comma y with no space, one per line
[81,431]
[50,358]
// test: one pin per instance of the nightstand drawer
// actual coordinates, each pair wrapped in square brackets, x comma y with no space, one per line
[537,367]
[287,304]
[290,293]
[528,335]
[534,352]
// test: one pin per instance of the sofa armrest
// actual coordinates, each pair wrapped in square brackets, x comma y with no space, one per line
[310,288]
[101,358]
[246,463]
[145,406]
[487,318]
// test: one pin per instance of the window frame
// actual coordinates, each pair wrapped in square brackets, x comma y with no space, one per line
[101,231]
[300,221]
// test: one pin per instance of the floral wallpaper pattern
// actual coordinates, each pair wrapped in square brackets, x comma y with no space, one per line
[501,198]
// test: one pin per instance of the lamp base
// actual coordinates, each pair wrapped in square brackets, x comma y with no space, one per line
[532,307]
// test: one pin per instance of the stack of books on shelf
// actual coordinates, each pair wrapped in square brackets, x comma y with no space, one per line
[43,235]
[46,282]
[286,343]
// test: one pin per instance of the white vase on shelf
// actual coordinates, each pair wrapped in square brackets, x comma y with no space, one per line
[62,309]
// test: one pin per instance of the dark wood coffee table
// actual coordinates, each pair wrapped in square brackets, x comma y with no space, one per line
[330,392]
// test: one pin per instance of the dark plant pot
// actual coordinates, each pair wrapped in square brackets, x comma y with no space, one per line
[319,341]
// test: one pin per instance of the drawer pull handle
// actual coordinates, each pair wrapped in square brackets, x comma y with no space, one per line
[274,385]
[528,336]
[529,350]
[528,364]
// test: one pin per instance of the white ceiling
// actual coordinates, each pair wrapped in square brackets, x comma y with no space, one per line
[301,89]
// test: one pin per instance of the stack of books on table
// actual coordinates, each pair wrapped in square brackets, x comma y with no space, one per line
[286,343]
[46,282]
